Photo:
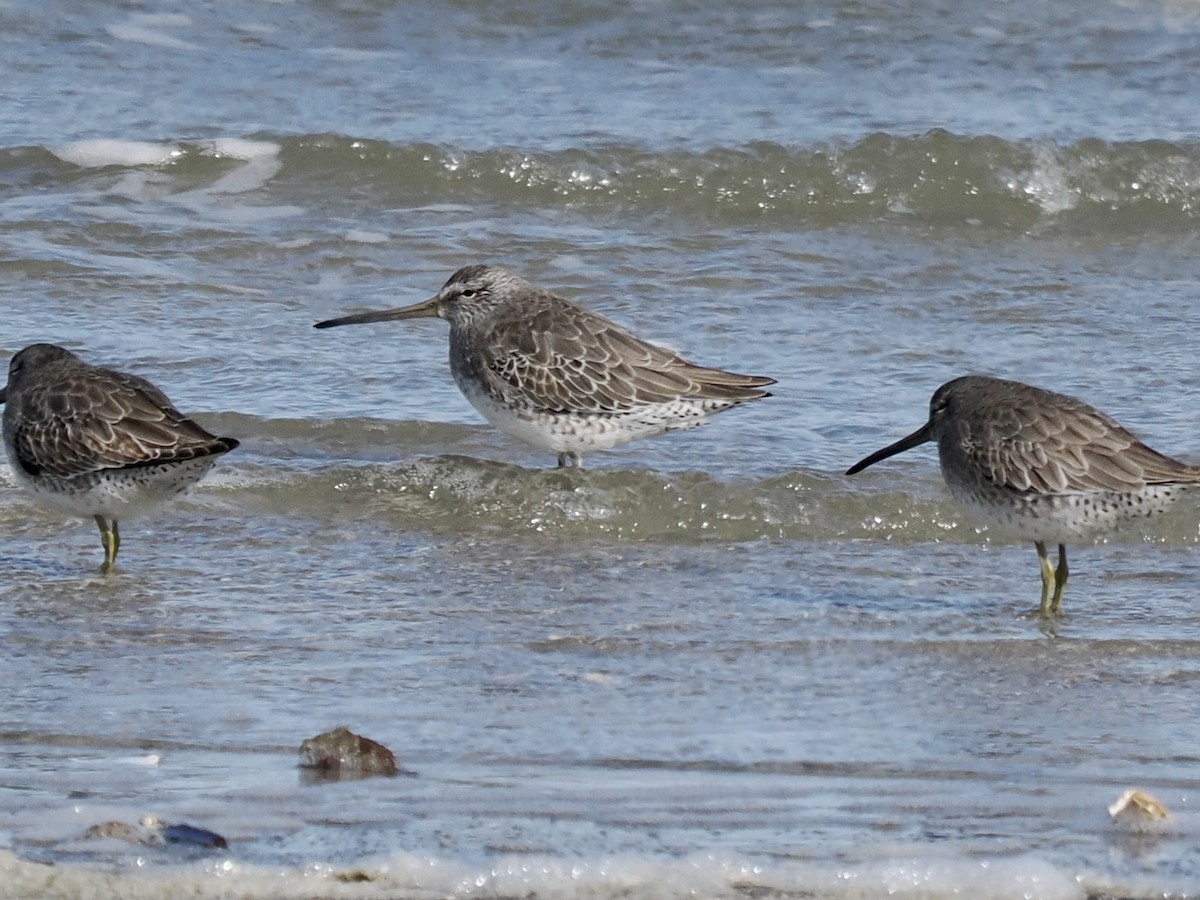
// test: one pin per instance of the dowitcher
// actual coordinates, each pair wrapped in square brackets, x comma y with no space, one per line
[562,378]
[90,441]
[1041,466]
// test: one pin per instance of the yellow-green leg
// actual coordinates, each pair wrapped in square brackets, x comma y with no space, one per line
[1053,580]
[110,540]
[1060,578]
[1047,577]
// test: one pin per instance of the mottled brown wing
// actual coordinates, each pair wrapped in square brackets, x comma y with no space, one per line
[101,419]
[564,358]
[1067,446]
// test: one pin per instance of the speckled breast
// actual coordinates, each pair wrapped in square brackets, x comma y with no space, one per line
[1059,518]
[116,493]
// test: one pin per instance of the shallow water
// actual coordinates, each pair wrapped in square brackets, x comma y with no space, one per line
[707,664]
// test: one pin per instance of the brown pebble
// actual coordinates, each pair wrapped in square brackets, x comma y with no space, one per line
[342,752]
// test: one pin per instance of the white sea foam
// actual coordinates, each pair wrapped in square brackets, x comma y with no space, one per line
[1047,182]
[261,158]
[100,152]
[259,164]
[250,176]
[352,54]
[410,875]
[143,28]
[240,148]
[366,237]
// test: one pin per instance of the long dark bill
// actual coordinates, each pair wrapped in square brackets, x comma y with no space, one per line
[417,310]
[922,435]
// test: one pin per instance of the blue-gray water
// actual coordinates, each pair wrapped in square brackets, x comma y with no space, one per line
[708,664]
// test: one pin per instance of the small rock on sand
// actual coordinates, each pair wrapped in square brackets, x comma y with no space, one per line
[342,753]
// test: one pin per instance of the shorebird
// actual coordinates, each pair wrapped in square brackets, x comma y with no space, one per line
[560,377]
[90,441]
[1041,466]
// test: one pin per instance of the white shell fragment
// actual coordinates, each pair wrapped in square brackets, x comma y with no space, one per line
[1135,804]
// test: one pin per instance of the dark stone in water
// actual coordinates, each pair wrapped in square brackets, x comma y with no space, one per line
[343,754]
[151,831]
[190,834]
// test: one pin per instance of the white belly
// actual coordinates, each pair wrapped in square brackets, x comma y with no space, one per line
[120,494]
[576,433]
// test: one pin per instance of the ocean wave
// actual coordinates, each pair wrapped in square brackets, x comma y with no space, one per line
[936,177]
[410,476]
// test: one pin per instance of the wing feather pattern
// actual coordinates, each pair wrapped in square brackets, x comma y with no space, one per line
[564,358]
[1051,443]
[91,419]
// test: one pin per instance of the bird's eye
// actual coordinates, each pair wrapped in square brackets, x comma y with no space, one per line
[468,293]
